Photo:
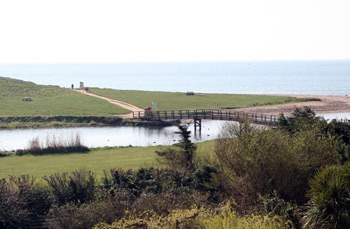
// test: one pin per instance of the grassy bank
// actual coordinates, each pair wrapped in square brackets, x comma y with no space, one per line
[49,101]
[57,121]
[177,101]
[96,160]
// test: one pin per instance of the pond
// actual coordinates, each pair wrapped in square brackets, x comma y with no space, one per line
[108,136]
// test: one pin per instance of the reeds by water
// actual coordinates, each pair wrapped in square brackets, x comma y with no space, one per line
[54,145]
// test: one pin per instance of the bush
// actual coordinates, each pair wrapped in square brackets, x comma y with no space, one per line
[264,161]
[20,201]
[301,119]
[196,218]
[156,181]
[180,158]
[330,199]
[77,187]
[85,215]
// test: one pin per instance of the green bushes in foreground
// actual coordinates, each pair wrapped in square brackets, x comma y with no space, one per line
[330,199]
[195,217]
[265,161]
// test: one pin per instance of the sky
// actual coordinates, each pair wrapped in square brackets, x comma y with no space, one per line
[75,31]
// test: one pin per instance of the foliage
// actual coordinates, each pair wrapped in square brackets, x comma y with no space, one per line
[85,215]
[156,181]
[330,199]
[264,161]
[20,200]
[181,157]
[301,119]
[306,119]
[344,153]
[77,187]
[340,129]
[196,218]
[276,206]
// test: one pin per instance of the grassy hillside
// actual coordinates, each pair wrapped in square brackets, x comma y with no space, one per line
[177,101]
[97,160]
[49,101]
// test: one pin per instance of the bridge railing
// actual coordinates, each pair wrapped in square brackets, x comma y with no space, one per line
[204,114]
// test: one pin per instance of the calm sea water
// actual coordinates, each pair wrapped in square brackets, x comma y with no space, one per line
[285,77]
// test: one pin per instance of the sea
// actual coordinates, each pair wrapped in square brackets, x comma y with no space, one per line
[245,77]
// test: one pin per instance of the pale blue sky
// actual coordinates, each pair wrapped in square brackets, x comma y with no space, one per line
[42,31]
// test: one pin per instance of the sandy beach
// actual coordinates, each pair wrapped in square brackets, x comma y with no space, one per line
[328,104]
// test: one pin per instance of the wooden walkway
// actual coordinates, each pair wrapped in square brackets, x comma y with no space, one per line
[206,114]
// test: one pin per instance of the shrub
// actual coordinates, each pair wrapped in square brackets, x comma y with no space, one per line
[301,119]
[196,218]
[77,187]
[20,201]
[265,161]
[85,215]
[156,181]
[164,203]
[330,199]
[180,158]
[276,206]
[340,129]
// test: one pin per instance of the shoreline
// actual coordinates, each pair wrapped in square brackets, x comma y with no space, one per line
[328,104]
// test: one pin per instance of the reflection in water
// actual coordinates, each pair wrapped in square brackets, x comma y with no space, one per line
[109,136]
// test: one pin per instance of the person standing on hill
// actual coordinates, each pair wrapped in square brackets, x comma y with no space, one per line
[72,86]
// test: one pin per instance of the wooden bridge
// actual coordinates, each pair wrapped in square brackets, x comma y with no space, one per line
[198,115]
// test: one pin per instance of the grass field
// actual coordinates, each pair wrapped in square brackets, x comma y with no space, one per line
[96,160]
[178,101]
[49,101]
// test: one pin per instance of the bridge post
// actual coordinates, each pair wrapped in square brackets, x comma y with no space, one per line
[197,123]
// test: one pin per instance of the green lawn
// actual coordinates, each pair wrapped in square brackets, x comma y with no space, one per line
[97,160]
[49,101]
[178,101]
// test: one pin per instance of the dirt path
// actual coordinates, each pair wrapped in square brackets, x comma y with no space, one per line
[328,104]
[124,105]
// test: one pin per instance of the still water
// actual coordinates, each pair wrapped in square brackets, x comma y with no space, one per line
[108,136]
[119,136]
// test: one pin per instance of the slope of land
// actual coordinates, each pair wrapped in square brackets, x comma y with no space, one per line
[181,101]
[49,101]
